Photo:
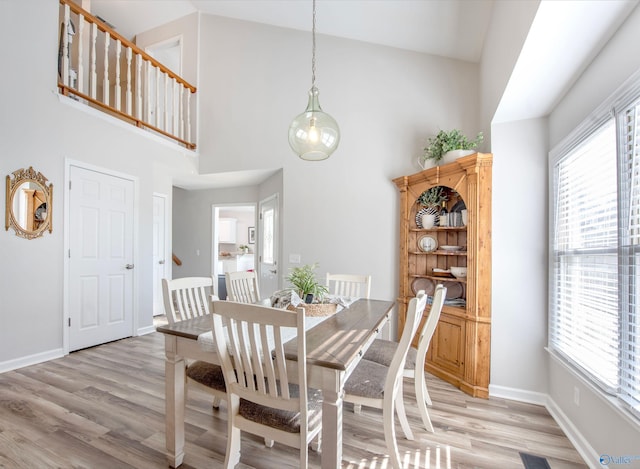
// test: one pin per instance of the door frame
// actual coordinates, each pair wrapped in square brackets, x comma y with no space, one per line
[167,267]
[68,163]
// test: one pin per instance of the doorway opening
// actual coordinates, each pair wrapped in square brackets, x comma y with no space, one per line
[234,242]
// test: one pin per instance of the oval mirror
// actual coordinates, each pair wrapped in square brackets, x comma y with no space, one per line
[29,203]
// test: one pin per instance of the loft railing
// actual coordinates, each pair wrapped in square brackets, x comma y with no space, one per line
[100,67]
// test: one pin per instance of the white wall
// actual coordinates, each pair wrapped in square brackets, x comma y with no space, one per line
[342,212]
[192,222]
[41,130]
[519,241]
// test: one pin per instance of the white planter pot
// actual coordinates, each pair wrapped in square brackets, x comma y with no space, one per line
[453,155]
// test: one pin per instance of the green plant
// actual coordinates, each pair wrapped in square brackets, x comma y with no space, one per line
[432,197]
[303,279]
[447,141]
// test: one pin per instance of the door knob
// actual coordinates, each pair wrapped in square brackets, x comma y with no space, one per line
[273,271]
[129,266]
[161,262]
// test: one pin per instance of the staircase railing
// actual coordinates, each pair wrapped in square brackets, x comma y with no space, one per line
[100,67]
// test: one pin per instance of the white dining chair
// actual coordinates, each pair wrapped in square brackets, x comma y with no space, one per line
[242,287]
[351,285]
[262,398]
[382,351]
[185,298]
[374,385]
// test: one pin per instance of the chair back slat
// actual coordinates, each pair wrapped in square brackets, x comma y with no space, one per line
[186,297]
[242,287]
[355,286]
[252,352]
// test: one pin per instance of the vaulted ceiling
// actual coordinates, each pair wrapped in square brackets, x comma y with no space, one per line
[449,28]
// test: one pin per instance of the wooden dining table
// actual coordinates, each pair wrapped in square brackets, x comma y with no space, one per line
[334,348]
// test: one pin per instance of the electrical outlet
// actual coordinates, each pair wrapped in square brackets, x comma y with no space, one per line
[576,396]
[294,259]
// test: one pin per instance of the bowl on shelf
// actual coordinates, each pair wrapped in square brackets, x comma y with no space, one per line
[451,248]
[458,272]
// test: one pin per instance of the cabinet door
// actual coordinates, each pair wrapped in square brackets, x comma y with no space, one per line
[227,230]
[447,344]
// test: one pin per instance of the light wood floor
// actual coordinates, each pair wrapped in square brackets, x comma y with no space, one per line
[103,407]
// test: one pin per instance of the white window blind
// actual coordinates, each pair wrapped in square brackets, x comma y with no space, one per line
[584,325]
[629,125]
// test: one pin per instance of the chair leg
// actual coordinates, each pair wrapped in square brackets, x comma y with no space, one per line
[357,409]
[304,456]
[316,443]
[422,398]
[232,457]
[216,402]
[268,443]
[402,416]
[388,414]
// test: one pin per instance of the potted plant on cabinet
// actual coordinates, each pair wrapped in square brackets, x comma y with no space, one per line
[431,199]
[445,142]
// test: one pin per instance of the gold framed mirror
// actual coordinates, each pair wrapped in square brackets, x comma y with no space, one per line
[29,203]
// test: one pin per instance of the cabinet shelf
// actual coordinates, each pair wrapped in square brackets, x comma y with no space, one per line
[439,228]
[439,252]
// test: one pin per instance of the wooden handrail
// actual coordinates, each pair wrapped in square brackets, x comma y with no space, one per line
[103,27]
[138,122]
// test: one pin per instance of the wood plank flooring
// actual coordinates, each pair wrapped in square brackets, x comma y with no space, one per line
[103,407]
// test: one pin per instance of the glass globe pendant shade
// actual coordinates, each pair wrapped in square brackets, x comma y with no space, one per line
[314,134]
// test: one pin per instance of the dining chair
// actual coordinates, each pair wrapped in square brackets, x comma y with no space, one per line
[242,287]
[379,386]
[358,286]
[262,399]
[382,351]
[186,298]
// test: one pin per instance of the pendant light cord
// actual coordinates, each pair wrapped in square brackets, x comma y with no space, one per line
[313,52]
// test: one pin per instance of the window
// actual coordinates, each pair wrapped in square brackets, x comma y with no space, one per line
[595,247]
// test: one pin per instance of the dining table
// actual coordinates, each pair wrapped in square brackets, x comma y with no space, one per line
[335,345]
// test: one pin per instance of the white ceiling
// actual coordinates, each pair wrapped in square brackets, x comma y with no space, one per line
[450,28]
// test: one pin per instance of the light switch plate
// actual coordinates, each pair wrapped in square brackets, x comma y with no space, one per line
[294,258]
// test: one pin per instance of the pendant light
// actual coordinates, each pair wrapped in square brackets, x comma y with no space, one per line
[314,134]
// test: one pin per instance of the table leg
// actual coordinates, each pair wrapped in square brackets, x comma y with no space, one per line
[174,384]
[331,429]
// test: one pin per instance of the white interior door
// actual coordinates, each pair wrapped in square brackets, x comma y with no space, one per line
[268,239]
[101,211]
[159,251]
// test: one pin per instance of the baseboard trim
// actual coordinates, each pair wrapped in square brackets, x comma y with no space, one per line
[582,446]
[519,395]
[588,453]
[146,330]
[34,359]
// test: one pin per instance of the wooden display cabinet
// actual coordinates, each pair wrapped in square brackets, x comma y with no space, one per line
[460,348]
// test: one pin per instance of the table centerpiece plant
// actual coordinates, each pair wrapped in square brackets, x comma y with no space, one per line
[310,291]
